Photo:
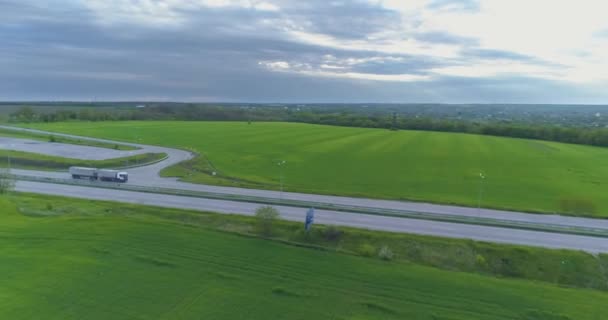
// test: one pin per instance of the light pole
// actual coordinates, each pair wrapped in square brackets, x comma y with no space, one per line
[136,138]
[482,177]
[8,157]
[136,160]
[281,164]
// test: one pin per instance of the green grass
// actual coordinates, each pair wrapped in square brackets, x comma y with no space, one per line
[59,139]
[424,166]
[562,267]
[79,265]
[35,161]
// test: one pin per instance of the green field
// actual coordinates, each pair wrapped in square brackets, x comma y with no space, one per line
[60,263]
[426,166]
[35,161]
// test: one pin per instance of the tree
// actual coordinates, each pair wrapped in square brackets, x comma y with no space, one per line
[7,181]
[266,217]
[24,114]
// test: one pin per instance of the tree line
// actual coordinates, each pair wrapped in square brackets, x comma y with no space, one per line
[192,112]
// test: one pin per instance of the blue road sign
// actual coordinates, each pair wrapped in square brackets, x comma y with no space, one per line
[310,218]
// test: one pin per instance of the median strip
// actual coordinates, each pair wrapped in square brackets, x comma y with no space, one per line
[482,221]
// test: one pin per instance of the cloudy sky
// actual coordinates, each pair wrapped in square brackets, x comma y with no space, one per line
[494,51]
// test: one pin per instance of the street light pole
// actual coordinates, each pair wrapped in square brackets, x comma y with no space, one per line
[482,177]
[281,163]
[8,156]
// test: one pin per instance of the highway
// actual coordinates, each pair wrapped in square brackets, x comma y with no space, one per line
[373,222]
[149,176]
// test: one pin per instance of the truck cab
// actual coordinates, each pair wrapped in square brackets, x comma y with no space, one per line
[122,176]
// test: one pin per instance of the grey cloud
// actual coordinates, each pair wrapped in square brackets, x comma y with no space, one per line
[454,5]
[496,54]
[404,65]
[489,54]
[349,20]
[58,50]
[445,38]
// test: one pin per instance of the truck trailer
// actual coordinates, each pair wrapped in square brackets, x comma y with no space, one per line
[99,174]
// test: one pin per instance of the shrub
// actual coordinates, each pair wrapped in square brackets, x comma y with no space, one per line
[7,181]
[481,261]
[332,234]
[49,206]
[366,250]
[577,205]
[386,253]
[52,138]
[266,216]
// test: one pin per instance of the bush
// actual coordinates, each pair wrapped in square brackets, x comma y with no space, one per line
[265,216]
[49,207]
[386,253]
[7,181]
[332,234]
[577,205]
[52,138]
[481,261]
[366,250]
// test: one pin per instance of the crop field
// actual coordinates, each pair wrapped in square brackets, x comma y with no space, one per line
[79,265]
[519,174]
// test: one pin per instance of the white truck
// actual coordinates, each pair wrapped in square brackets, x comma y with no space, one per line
[99,174]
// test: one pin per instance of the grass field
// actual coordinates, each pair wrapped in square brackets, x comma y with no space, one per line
[82,264]
[427,166]
[36,161]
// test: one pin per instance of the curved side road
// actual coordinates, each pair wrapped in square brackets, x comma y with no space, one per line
[383,223]
[149,176]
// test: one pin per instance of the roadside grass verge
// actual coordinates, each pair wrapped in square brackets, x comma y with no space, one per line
[101,260]
[35,161]
[561,267]
[59,139]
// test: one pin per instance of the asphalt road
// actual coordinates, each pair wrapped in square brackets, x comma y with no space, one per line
[373,222]
[149,176]
[66,150]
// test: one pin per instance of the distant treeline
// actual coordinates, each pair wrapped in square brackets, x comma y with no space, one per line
[587,136]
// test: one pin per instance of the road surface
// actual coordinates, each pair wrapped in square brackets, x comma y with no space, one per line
[373,222]
[65,150]
[150,176]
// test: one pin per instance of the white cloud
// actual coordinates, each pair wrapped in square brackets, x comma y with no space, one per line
[164,13]
[245,4]
[266,6]
[329,66]
[388,44]
[328,71]
[552,31]
[276,65]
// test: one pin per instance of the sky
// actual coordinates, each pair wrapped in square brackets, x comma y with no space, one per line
[390,51]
